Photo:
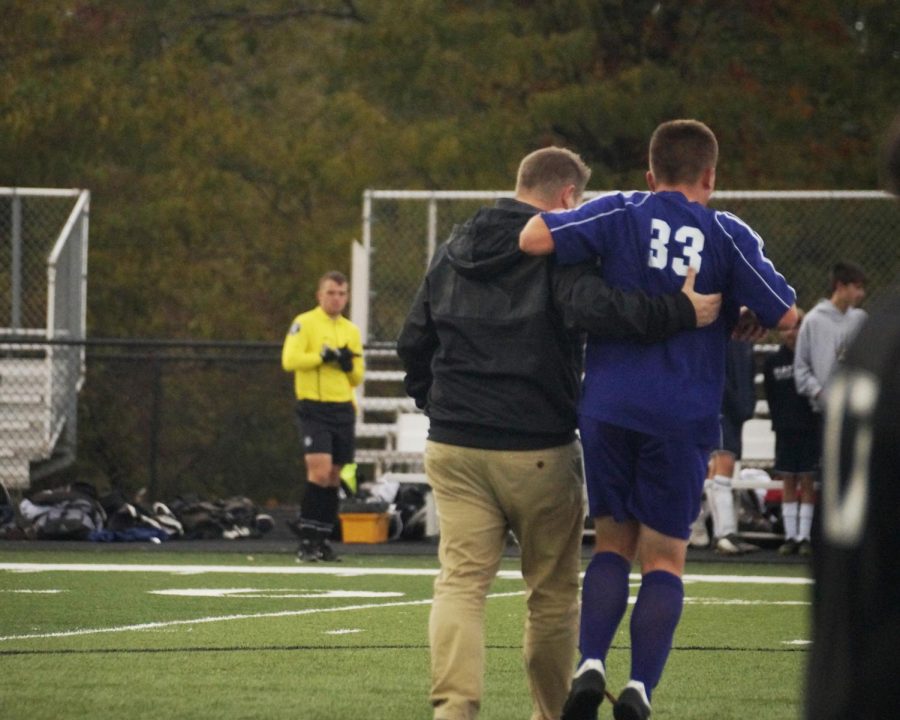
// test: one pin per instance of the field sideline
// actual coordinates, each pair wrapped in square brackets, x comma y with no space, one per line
[205,635]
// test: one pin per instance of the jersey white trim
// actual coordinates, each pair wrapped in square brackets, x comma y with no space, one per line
[760,245]
[628,201]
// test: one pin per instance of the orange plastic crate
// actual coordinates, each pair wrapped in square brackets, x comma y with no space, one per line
[364,527]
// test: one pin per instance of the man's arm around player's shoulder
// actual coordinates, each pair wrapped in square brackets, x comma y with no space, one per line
[588,303]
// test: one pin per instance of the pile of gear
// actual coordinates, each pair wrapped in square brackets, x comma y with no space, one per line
[404,502]
[77,512]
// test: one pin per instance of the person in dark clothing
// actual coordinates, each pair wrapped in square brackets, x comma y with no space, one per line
[492,350]
[854,662]
[797,444]
[738,406]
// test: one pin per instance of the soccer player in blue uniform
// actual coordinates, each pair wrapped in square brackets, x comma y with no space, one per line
[649,414]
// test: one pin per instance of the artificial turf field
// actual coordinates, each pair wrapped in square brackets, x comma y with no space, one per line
[128,634]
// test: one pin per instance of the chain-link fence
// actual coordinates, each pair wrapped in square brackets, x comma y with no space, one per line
[174,417]
[804,232]
[43,273]
[44,254]
[216,419]
[163,419]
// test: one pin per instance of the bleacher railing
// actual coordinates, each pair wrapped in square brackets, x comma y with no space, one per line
[44,279]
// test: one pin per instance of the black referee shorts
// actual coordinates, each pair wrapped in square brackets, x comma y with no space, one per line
[327,427]
[798,452]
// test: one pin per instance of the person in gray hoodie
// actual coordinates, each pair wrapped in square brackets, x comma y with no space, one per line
[827,331]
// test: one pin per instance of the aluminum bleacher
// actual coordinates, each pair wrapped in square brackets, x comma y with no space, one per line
[392,429]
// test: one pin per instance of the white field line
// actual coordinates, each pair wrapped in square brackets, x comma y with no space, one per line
[275,594]
[313,611]
[722,602]
[224,618]
[236,569]
[349,572]
[338,572]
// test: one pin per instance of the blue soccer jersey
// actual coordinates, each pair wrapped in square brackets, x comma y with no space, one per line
[647,241]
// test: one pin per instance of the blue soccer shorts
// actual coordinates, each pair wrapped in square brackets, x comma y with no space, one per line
[632,475]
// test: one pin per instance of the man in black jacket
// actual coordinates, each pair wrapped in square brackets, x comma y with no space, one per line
[492,350]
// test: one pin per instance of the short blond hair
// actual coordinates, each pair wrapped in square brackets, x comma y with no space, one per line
[547,171]
[681,150]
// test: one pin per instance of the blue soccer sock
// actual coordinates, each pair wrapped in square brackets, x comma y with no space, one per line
[653,622]
[604,598]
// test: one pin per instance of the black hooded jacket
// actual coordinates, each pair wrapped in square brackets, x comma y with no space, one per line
[492,346]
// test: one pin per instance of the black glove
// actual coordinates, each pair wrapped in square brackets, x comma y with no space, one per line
[345,358]
[329,354]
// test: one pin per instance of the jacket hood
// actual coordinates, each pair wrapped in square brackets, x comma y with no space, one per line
[830,309]
[488,243]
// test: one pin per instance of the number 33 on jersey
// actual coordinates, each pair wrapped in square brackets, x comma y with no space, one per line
[690,239]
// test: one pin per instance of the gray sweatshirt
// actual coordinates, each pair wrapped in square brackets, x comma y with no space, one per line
[824,336]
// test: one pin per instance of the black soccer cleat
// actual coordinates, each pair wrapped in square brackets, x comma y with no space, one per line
[308,552]
[327,553]
[632,704]
[790,547]
[586,692]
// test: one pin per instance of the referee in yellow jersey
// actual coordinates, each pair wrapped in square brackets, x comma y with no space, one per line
[324,351]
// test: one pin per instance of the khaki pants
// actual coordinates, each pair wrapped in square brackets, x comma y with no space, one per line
[479,494]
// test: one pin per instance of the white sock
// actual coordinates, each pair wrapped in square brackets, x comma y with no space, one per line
[590,664]
[721,503]
[789,515]
[804,526]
